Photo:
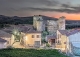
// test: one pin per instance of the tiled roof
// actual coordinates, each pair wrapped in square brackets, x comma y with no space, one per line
[73,32]
[51,37]
[68,33]
[21,28]
[5,34]
[2,40]
[63,32]
[33,31]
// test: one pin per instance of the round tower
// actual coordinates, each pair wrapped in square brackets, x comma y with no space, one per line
[61,23]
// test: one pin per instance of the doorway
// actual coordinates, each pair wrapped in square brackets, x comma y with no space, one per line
[37,43]
[52,41]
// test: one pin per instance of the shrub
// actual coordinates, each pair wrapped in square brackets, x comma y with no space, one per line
[30,53]
[47,45]
[9,47]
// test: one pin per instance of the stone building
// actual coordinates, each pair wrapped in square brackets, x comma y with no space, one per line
[61,23]
[47,24]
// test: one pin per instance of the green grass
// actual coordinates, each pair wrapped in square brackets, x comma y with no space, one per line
[30,53]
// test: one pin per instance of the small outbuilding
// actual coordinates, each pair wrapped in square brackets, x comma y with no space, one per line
[3,43]
[51,39]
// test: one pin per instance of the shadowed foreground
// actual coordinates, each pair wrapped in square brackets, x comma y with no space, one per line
[30,53]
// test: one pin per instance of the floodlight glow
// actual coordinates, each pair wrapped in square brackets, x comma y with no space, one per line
[26,38]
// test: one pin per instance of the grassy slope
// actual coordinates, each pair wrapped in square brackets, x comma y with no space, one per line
[30,53]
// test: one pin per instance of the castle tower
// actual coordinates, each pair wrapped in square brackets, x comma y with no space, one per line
[34,21]
[38,22]
[61,23]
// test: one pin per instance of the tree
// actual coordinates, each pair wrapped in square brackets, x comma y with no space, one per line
[17,35]
[44,34]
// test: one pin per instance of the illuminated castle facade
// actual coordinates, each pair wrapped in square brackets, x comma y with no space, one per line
[51,25]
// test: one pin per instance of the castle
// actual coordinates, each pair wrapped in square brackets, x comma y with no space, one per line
[50,25]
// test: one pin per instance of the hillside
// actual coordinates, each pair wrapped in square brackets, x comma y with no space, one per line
[15,20]
[29,20]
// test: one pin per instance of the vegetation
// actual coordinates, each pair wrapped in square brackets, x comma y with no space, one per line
[30,53]
[16,20]
[72,26]
[47,45]
[44,33]
[4,25]
[17,35]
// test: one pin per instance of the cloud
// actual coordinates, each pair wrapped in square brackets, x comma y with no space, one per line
[74,9]
[40,2]
[16,6]
[65,5]
[50,10]
[64,8]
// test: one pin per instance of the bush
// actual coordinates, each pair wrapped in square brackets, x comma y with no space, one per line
[30,53]
[44,41]
[47,45]
[9,47]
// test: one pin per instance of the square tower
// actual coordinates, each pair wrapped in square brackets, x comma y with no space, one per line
[38,23]
[61,23]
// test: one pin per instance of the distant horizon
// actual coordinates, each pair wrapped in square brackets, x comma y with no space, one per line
[39,14]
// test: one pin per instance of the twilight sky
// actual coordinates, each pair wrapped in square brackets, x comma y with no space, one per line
[53,8]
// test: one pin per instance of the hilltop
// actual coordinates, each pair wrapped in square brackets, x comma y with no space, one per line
[29,20]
